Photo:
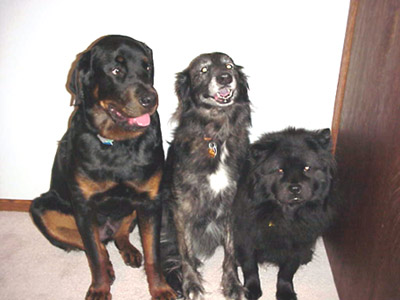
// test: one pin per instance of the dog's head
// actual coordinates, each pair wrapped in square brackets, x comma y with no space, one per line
[293,167]
[211,81]
[113,82]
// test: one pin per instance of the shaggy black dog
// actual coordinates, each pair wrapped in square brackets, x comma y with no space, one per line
[284,203]
[108,166]
[203,165]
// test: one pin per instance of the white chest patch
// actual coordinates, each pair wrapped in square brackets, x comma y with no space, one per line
[220,179]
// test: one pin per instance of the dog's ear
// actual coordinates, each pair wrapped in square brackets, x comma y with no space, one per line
[78,77]
[324,138]
[255,152]
[183,91]
[264,147]
[182,86]
[243,84]
[319,139]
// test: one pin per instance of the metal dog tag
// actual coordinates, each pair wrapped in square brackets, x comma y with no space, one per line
[212,149]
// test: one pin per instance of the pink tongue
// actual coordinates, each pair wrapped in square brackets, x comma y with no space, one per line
[143,120]
[224,92]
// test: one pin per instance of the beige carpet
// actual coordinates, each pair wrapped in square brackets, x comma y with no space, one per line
[33,269]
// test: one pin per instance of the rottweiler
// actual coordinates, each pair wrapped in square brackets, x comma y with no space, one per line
[108,165]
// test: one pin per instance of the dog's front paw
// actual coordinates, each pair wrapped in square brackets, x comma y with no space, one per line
[193,291]
[253,292]
[192,287]
[285,291]
[232,289]
[174,279]
[131,256]
[234,292]
[286,295]
[99,292]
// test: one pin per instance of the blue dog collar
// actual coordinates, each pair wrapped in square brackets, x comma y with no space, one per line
[105,141]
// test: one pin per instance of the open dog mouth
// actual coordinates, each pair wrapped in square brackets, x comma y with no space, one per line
[223,96]
[126,121]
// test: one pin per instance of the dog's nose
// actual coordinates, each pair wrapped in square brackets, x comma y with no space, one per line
[295,189]
[148,100]
[224,78]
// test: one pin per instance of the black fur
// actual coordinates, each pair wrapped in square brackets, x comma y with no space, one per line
[98,192]
[284,203]
[213,112]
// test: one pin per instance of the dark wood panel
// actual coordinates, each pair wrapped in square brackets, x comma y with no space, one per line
[15,205]
[344,67]
[364,248]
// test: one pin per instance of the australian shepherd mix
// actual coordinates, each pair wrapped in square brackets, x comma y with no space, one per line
[203,165]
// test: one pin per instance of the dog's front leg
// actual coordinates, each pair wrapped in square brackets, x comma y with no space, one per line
[246,257]
[285,289]
[149,228]
[96,253]
[231,286]
[192,286]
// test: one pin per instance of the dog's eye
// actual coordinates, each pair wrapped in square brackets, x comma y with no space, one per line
[116,71]
[306,169]
[204,70]
[229,66]
[147,67]
[281,171]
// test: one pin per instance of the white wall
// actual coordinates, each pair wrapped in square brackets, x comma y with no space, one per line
[290,49]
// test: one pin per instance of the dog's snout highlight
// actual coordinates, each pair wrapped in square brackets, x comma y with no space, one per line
[295,189]
[148,100]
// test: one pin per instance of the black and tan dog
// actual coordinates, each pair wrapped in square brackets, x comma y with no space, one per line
[203,165]
[108,166]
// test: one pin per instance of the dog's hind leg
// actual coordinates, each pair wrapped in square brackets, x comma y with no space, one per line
[53,216]
[131,256]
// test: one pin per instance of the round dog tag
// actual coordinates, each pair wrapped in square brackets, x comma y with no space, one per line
[212,149]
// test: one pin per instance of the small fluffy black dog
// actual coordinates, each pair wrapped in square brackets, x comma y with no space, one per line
[203,165]
[284,203]
[108,165]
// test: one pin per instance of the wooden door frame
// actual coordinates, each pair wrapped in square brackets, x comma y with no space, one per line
[344,68]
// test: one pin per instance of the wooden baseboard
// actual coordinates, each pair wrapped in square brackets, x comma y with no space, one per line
[15,205]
